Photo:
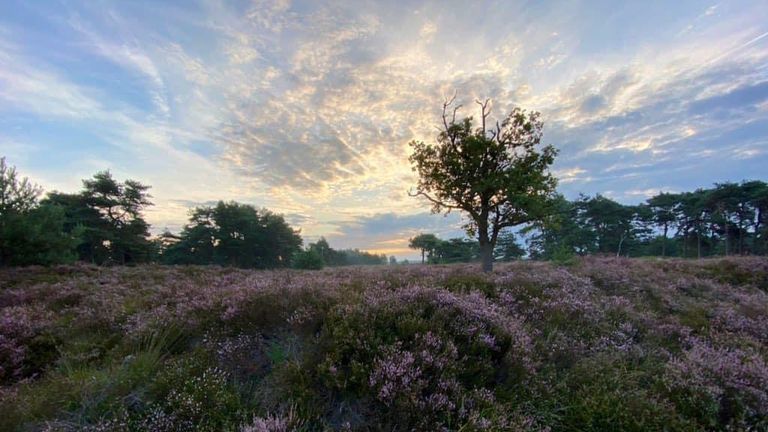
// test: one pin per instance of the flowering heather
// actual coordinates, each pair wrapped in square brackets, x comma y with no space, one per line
[601,344]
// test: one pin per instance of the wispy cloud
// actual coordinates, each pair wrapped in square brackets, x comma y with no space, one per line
[307,107]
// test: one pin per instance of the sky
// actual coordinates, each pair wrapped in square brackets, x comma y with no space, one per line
[307,107]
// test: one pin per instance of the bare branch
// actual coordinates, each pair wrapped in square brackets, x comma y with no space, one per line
[446,104]
[483,107]
[456,108]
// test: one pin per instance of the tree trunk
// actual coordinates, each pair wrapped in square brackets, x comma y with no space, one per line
[664,243]
[618,251]
[757,244]
[741,239]
[422,256]
[698,244]
[486,246]
[486,254]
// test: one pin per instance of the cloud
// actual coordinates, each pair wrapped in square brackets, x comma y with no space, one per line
[307,107]
[390,232]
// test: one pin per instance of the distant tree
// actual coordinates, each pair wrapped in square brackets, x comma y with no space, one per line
[392,260]
[693,220]
[498,176]
[426,243]
[196,243]
[560,233]
[662,207]
[120,234]
[757,193]
[455,250]
[507,248]
[31,233]
[722,204]
[94,230]
[612,223]
[234,234]
[358,257]
[334,258]
[307,260]
[323,249]
[37,237]
[17,195]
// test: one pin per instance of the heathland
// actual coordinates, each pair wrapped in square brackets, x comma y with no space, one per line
[597,344]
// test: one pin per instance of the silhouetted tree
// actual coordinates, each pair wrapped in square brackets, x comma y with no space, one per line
[426,243]
[497,175]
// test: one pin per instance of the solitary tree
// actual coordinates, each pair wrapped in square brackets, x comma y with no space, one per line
[424,242]
[498,175]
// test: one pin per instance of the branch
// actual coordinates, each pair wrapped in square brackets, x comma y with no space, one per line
[483,113]
[433,200]
[446,104]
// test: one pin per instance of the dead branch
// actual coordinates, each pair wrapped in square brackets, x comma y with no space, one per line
[483,112]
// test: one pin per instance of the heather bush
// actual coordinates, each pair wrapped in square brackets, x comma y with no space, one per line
[430,356]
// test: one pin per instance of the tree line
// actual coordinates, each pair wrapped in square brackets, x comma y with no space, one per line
[457,250]
[320,254]
[727,219]
[104,224]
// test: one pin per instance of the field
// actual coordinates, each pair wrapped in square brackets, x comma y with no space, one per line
[600,344]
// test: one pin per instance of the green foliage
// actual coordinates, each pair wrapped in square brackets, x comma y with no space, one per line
[438,251]
[191,392]
[455,250]
[507,248]
[307,260]
[107,217]
[122,226]
[406,355]
[334,258]
[600,396]
[608,344]
[427,243]
[233,234]
[467,283]
[563,256]
[498,177]
[725,220]
[31,233]
[17,195]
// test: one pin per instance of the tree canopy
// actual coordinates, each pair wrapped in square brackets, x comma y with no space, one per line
[497,175]
[109,215]
[234,234]
[31,233]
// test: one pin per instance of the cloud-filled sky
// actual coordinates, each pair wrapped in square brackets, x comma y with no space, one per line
[307,107]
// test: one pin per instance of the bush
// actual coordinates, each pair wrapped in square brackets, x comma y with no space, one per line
[425,357]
